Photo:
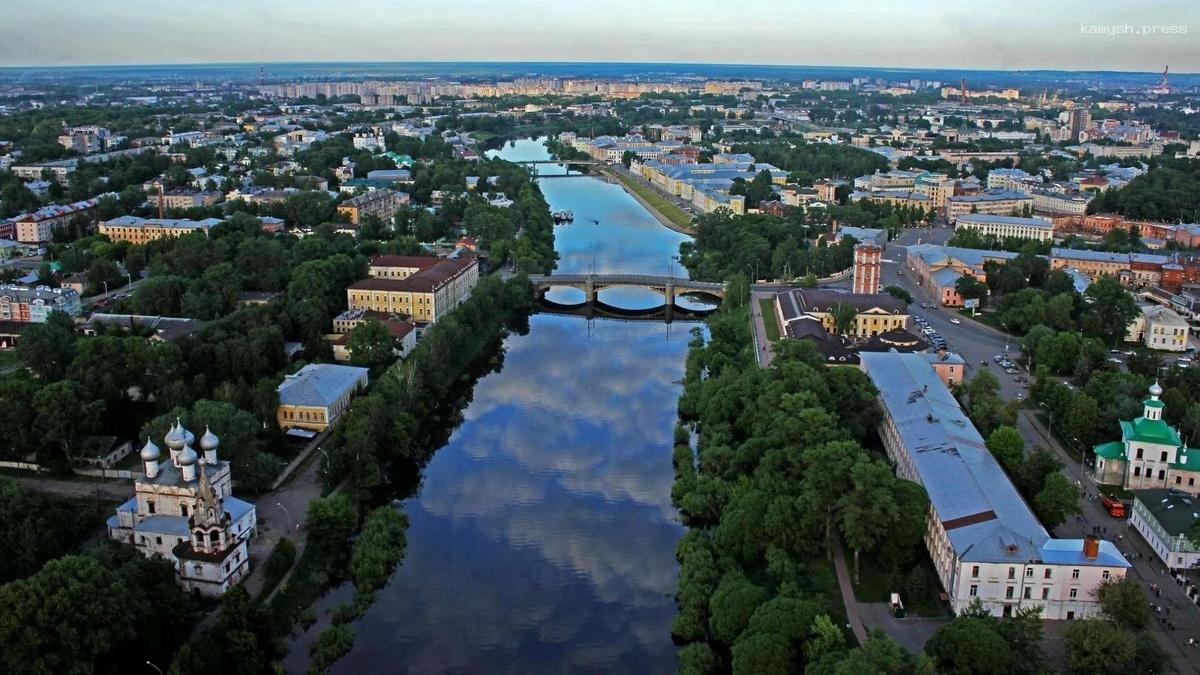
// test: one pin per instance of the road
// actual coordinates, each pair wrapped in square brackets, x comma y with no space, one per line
[975,342]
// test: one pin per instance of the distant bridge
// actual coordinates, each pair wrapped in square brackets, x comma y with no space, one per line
[602,310]
[592,284]
[577,162]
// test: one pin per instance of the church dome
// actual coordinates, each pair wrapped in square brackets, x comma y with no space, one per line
[150,451]
[1156,389]
[209,440]
[187,457]
[174,438]
[188,437]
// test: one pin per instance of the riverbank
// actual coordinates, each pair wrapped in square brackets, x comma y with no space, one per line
[664,211]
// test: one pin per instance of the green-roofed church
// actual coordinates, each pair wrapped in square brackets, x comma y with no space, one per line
[1150,454]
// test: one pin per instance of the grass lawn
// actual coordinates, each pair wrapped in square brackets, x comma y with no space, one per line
[669,210]
[770,323]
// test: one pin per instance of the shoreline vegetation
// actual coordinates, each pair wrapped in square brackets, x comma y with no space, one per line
[667,213]
[375,456]
[757,592]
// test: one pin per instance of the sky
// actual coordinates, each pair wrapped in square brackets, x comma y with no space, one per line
[1014,34]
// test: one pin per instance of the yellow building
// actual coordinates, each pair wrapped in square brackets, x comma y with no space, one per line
[422,288]
[875,313]
[313,397]
[141,230]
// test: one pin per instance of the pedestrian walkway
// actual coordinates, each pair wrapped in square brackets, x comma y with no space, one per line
[853,617]
[764,349]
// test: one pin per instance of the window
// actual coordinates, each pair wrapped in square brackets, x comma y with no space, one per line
[1008,592]
[1162,473]
[183,510]
[1164,456]
[1012,573]
[1139,453]
[1046,593]
[1028,593]
[1074,593]
[1104,575]
[974,590]
[1029,571]
[150,506]
[1178,480]
[1048,574]
[1074,574]
[1191,481]
[158,540]
[1137,471]
[975,572]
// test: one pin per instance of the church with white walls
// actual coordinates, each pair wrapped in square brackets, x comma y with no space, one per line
[183,510]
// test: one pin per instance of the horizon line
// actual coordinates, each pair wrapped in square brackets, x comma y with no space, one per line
[583,63]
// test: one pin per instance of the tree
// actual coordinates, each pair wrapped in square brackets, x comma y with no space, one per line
[61,619]
[1097,647]
[331,521]
[1111,301]
[763,654]
[899,293]
[970,645]
[1057,499]
[698,658]
[1006,444]
[732,605]
[370,344]
[66,431]
[378,548]
[48,348]
[844,316]
[1124,603]
[869,508]
[1082,418]
[628,157]
[970,288]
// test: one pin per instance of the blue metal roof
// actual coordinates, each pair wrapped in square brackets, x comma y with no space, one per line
[173,525]
[319,384]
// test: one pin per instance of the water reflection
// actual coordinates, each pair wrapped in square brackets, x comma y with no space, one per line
[543,537]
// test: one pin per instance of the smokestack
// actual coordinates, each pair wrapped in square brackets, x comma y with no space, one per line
[160,202]
[1091,547]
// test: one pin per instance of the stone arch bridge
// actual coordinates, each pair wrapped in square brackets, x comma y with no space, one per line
[592,284]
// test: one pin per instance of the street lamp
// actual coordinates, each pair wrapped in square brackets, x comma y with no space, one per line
[105,289]
[160,672]
[286,513]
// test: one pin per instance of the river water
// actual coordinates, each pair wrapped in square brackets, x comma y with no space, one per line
[542,538]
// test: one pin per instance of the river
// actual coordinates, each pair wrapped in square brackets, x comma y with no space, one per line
[542,538]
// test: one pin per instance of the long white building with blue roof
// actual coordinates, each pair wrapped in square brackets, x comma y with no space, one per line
[985,542]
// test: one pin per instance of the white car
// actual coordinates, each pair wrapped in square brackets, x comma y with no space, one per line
[955,321]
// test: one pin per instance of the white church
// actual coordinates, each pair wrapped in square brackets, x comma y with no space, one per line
[183,510]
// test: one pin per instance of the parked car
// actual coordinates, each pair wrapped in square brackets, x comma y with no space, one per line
[955,321]
[1011,371]
[997,358]
[1113,359]
[985,364]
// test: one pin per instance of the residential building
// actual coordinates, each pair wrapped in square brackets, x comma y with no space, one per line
[1069,203]
[867,258]
[1164,517]
[985,543]
[184,199]
[1158,327]
[316,395]
[1003,227]
[38,227]
[382,204]
[874,313]
[161,328]
[86,139]
[938,268]
[138,230]
[950,367]
[183,510]
[421,288]
[866,235]
[34,305]
[1133,269]
[402,330]
[1150,453]
[991,202]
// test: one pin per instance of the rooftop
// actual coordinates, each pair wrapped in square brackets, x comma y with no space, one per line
[319,384]
[1175,511]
